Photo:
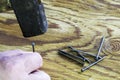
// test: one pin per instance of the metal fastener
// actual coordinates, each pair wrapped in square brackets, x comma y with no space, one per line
[33,46]
[100,47]
[80,55]
[85,68]
[71,56]
[88,54]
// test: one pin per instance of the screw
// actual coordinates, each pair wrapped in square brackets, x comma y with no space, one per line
[33,46]
[71,56]
[85,68]
[100,47]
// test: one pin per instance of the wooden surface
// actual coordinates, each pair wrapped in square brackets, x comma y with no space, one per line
[78,23]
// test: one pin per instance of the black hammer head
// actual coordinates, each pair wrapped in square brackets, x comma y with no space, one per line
[31,17]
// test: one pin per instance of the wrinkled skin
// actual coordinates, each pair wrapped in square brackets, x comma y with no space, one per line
[21,65]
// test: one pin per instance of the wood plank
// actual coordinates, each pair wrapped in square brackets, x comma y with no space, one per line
[79,23]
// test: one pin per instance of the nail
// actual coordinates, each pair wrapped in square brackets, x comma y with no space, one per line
[85,68]
[100,47]
[33,46]
[74,50]
[71,56]
[71,47]
[78,53]
[88,54]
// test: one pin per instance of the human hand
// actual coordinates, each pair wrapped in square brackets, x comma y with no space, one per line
[21,65]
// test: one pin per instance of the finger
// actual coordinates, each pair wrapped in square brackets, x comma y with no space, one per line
[11,53]
[32,61]
[39,75]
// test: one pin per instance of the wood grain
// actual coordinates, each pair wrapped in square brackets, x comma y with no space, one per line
[77,23]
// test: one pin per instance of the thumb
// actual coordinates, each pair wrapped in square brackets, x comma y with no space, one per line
[39,75]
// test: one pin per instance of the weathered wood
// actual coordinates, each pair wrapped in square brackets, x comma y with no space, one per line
[79,23]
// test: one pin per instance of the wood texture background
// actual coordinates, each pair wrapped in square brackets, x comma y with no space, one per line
[79,23]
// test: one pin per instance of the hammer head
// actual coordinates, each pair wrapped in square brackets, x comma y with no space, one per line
[31,17]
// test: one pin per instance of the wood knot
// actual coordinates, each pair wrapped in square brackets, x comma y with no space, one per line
[112,46]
